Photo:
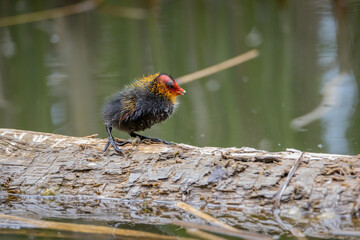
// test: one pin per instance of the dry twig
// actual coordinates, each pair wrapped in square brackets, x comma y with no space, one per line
[218,67]
[51,13]
[295,231]
[287,181]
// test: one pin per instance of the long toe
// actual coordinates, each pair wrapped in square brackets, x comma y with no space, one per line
[162,141]
[113,143]
[117,149]
[132,134]
[122,143]
[168,143]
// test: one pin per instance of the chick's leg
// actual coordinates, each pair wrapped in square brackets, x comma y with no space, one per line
[112,141]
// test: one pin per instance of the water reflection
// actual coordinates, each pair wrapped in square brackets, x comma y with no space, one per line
[339,87]
[56,74]
[337,121]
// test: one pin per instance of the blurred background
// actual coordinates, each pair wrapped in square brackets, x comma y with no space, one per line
[60,60]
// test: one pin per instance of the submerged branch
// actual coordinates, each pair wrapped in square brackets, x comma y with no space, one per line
[87,228]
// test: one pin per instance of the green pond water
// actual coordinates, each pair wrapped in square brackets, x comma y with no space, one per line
[301,92]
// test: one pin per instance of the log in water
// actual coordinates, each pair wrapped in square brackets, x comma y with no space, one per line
[60,176]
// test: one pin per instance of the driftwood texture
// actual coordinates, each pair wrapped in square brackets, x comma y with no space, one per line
[59,176]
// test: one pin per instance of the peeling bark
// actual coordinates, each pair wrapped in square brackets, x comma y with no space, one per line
[60,176]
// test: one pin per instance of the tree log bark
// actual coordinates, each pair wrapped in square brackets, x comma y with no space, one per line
[60,176]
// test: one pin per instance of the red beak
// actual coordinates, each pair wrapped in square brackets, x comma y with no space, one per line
[180,91]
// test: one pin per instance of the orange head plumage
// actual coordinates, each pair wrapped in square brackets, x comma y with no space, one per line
[166,86]
[162,85]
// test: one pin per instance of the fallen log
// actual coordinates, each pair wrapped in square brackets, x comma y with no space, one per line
[53,175]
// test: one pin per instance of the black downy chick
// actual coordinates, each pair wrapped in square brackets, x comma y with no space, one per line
[147,101]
